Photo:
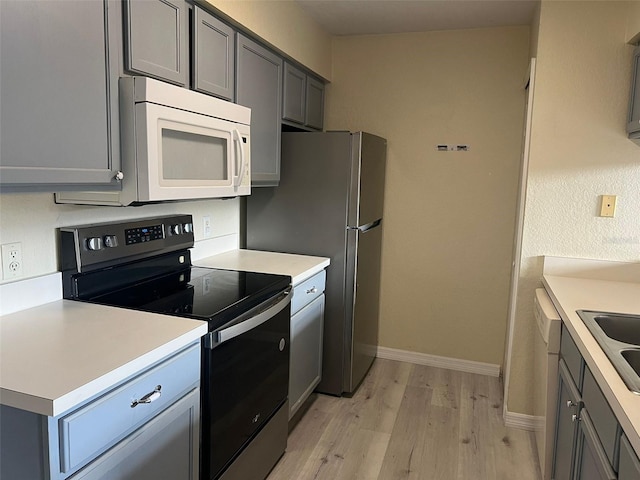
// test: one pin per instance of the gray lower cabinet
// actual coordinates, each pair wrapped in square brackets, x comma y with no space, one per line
[589,442]
[307,331]
[147,427]
[59,94]
[156,39]
[629,467]
[303,99]
[213,51]
[167,447]
[259,87]
[566,427]
[592,462]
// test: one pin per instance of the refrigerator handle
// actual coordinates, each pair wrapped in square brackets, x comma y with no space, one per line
[367,227]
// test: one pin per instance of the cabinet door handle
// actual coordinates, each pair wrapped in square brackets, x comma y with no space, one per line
[570,404]
[312,290]
[149,397]
[574,418]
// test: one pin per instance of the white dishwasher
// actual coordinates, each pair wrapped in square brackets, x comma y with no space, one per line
[546,348]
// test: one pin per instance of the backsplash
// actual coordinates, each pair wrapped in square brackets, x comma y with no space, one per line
[32,219]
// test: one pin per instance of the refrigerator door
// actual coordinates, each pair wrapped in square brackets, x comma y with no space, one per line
[307,214]
[366,199]
[363,257]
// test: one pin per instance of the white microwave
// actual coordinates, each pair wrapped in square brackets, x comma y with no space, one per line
[176,144]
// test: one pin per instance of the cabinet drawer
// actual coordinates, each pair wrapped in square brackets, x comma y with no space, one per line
[307,291]
[95,427]
[604,421]
[571,355]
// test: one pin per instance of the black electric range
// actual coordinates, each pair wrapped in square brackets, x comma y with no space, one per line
[146,265]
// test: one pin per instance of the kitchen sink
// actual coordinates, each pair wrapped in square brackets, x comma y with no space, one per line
[633,359]
[619,337]
[623,328]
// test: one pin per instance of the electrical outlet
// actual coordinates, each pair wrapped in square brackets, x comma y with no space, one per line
[11,260]
[206,227]
[608,206]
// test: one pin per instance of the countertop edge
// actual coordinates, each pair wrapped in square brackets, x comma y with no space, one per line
[54,407]
[603,371]
[254,261]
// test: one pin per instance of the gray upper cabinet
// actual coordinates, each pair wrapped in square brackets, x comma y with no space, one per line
[59,94]
[633,120]
[259,87]
[303,99]
[295,86]
[156,39]
[314,117]
[213,50]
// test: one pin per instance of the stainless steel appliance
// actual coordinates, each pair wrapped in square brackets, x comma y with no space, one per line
[329,203]
[177,144]
[145,265]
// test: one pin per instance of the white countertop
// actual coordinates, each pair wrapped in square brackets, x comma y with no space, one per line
[55,356]
[298,267]
[571,294]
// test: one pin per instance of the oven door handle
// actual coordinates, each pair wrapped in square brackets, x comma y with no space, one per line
[213,339]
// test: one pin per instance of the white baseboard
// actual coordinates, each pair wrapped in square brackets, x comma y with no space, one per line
[459,365]
[522,421]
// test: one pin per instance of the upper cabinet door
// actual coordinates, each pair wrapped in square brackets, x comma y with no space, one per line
[633,121]
[259,87]
[156,33]
[315,103]
[59,93]
[213,50]
[295,87]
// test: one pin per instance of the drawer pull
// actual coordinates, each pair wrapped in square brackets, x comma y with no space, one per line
[149,397]
[312,290]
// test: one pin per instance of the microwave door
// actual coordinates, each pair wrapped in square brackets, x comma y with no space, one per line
[185,155]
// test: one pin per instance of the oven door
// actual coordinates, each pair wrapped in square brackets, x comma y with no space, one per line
[245,381]
[183,155]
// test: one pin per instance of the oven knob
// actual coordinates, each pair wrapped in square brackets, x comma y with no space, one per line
[110,241]
[175,229]
[94,243]
[187,227]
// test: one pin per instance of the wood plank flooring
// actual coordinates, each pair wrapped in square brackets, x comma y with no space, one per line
[410,422]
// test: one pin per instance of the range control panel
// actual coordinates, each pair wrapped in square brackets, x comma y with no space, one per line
[116,242]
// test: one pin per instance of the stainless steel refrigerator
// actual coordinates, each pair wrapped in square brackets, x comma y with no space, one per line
[329,203]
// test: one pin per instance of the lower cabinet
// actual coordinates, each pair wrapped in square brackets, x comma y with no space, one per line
[566,427]
[629,467]
[147,427]
[589,442]
[592,463]
[307,330]
[167,447]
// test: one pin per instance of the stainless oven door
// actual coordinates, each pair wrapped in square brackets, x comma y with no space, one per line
[245,380]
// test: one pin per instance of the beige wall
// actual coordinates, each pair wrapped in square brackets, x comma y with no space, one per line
[448,216]
[579,150]
[283,24]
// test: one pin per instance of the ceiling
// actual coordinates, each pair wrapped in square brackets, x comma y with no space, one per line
[362,17]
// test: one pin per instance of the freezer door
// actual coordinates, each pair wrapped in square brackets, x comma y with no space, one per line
[363,255]
[369,155]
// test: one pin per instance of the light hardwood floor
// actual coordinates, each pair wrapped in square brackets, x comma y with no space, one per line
[410,422]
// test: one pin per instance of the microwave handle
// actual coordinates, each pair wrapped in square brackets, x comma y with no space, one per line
[237,180]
